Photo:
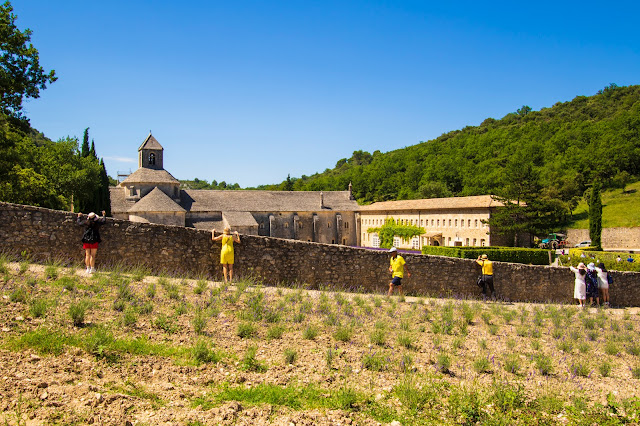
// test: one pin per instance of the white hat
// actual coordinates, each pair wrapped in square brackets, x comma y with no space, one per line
[392,250]
[91,215]
[591,266]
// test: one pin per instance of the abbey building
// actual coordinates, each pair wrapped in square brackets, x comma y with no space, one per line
[152,194]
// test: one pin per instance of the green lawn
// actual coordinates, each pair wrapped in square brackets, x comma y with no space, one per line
[619,209]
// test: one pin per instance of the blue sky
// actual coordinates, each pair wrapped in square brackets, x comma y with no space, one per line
[250,91]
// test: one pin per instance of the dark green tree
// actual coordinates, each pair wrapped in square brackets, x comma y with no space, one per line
[92,150]
[21,75]
[84,150]
[595,215]
[288,184]
[105,197]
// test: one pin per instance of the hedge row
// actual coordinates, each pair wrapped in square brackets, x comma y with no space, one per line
[500,254]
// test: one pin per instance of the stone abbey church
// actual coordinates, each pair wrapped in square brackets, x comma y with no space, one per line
[152,194]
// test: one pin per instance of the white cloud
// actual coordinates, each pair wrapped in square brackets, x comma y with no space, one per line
[121,159]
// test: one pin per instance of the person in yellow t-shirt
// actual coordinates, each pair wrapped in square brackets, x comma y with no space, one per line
[226,254]
[397,267]
[487,275]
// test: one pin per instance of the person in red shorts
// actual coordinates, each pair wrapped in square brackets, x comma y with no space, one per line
[91,238]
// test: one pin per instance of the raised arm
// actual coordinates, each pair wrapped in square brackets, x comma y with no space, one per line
[236,237]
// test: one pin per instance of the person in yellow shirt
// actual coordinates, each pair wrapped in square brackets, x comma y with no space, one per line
[397,267]
[226,254]
[487,275]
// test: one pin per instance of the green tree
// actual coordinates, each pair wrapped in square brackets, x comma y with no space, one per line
[21,75]
[84,150]
[391,229]
[595,215]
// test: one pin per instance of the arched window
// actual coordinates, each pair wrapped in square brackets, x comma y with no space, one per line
[152,159]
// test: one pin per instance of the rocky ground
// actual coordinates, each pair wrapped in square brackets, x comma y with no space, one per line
[159,350]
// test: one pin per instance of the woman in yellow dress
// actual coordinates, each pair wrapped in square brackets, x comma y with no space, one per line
[226,254]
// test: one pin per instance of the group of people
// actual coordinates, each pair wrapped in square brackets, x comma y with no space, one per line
[591,280]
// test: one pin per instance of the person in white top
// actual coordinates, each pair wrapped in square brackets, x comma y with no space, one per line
[580,286]
[603,283]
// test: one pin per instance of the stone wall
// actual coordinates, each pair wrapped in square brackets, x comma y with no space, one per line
[612,238]
[49,234]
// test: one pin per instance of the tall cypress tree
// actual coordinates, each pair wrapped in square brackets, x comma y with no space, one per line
[92,151]
[84,151]
[105,197]
[595,216]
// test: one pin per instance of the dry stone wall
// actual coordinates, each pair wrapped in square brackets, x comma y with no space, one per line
[48,234]
[612,238]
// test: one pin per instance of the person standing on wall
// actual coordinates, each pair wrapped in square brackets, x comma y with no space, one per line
[91,238]
[487,275]
[226,253]
[397,267]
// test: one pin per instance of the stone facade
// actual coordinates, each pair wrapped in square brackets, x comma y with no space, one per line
[48,234]
[455,221]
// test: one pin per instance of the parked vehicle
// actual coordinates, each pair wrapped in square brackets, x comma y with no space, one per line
[554,241]
[586,243]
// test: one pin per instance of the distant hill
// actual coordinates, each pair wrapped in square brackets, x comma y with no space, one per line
[566,147]
[619,209]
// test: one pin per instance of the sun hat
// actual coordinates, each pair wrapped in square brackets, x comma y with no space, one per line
[91,215]
[226,230]
[484,256]
[393,250]
[591,266]
[581,266]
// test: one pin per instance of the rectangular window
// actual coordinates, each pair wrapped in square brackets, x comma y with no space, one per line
[469,224]
[438,222]
[432,222]
[476,223]
[482,242]
[456,223]
[415,243]
[375,241]
[467,242]
[449,223]
[396,241]
[474,242]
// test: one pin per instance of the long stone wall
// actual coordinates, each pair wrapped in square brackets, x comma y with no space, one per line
[612,238]
[48,234]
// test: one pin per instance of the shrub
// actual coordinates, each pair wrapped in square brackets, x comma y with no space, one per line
[275,332]
[146,308]
[290,356]
[19,295]
[605,369]
[405,340]
[580,369]
[374,361]
[310,332]
[512,364]
[246,330]
[77,312]
[129,317]
[610,348]
[251,363]
[166,324]
[199,322]
[377,337]
[500,254]
[202,353]
[482,365]
[343,334]
[544,364]
[443,362]
[68,283]
[151,290]
[51,272]
[38,307]
[508,398]
[200,287]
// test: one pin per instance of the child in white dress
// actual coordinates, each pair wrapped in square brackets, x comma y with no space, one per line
[580,287]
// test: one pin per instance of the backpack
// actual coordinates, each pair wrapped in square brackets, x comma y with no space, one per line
[609,279]
[89,236]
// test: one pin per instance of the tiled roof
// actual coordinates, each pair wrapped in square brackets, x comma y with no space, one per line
[118,202]
[476,201]
[151,176]
[204,200]
[150,143]
[234,219]
[156,201]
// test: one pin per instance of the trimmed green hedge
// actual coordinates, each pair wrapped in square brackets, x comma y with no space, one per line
[500,254]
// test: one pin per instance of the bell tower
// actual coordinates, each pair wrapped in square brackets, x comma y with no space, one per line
[150,154]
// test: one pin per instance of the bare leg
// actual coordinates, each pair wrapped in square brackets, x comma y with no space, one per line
[93,254]
[390,289]
[605,295]
[87,258]
[231,272]
[224,271]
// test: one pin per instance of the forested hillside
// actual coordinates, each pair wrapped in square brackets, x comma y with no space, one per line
[566,147]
